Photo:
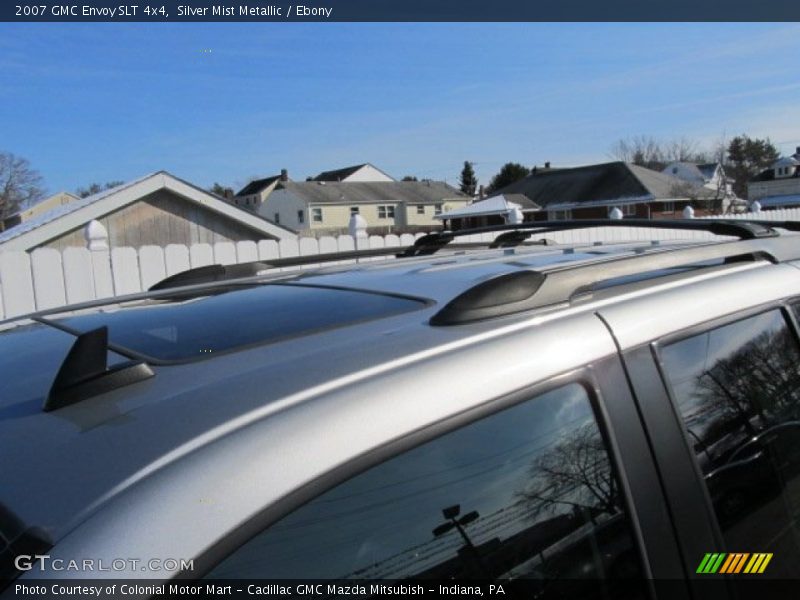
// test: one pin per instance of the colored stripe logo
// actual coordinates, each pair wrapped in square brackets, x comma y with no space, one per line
[734,563]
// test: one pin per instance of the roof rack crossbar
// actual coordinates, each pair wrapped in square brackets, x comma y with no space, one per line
[506,294]
[742,229]
[517,233]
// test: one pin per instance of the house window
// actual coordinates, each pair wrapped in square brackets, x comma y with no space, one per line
[559,215]
[316,215]
[420,209]
[668,207]
[300,216]
[629,210]
[386,212]
[437,209]
[277,219]
[353,210]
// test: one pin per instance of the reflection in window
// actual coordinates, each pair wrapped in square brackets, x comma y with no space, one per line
[527,492]
[738,390]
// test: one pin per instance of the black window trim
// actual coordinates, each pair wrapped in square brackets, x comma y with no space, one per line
[583,376]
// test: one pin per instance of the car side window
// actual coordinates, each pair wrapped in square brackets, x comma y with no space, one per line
[737,388]
[528,492]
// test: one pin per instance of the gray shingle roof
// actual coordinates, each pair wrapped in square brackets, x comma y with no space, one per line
[597,184]
[410,192]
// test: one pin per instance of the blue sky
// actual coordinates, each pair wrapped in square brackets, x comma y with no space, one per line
[99,102]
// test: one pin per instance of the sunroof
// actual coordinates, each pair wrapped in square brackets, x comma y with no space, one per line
[181,329]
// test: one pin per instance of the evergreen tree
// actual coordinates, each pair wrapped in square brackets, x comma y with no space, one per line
[747,157]
[509,173]
[468,182]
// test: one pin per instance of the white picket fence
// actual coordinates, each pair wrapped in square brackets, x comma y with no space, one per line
[48,278]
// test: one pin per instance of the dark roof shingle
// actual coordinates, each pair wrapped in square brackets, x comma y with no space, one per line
[257,185]
[600,183]
[338,174]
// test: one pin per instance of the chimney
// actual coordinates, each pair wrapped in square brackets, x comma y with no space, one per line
[284,175]
[547,165]
[480,192]
[228,193]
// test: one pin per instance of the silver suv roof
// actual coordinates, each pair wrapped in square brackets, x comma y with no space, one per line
[89,452]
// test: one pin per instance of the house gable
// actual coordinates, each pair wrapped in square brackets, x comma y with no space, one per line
[357,173]
[67,219]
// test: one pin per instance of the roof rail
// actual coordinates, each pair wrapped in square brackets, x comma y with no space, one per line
[526,290]
[217,272]
[515,234]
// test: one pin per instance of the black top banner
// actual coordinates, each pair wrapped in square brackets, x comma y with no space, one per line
[400,10]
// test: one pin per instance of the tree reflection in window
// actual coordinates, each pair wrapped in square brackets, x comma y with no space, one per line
[526,492]
[738,391]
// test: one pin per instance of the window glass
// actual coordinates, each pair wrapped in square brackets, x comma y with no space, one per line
[196,327]
[420,209]
[316,214]
[738,391]
[528,492]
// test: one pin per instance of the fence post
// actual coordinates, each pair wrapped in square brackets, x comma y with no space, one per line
[15,275]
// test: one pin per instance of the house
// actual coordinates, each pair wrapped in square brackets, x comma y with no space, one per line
[497,210]
[592,191]
[324,208]
[157,209]
[778,186]
[45,205]
[255,193]
[709,175]
[356,173]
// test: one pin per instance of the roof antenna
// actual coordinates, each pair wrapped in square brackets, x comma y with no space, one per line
[85,373]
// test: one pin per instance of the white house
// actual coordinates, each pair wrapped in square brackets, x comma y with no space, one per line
[711,176]
[778,186]
[322,207]
[496,210]
[255,193]
[157,209]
